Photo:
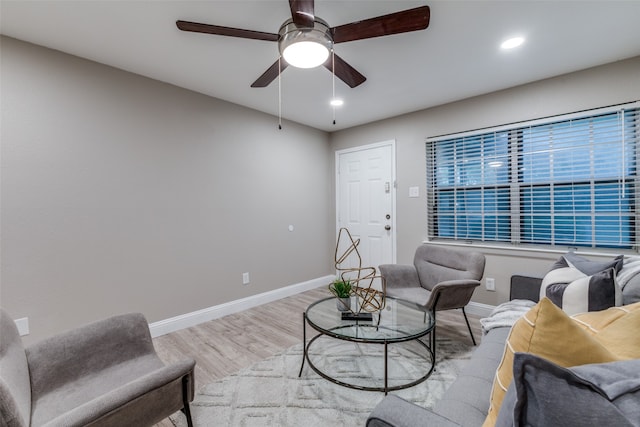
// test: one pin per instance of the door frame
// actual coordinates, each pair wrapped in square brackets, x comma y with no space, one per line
[392,144]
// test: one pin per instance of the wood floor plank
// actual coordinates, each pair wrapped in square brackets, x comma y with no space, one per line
[226,345]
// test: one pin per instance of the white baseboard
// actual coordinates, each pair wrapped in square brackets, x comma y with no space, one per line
[187,320]
[194,318]
[479,309]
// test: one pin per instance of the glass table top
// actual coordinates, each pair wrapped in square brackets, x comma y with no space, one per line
[399,321]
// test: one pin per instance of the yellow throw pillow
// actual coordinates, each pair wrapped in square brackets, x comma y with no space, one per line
[614,328]
[550,333]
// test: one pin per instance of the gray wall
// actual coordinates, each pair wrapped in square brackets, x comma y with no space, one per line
[597,87]
[120,193]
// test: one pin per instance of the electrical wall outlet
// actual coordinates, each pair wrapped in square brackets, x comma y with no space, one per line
[245,278]
[490,283]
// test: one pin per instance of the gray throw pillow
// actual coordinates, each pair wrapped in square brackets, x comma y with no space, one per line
[631,292]
[590,267]
[545,394]
[629,280]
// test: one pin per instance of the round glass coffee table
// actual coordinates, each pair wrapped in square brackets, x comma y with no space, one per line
[398,322]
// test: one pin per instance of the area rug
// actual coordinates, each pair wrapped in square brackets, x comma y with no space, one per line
[270,393]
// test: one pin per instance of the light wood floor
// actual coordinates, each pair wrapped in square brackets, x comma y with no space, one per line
[226,345]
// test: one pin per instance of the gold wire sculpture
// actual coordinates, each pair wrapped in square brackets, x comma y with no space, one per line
[368,298]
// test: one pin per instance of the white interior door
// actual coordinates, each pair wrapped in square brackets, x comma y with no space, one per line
[365,200]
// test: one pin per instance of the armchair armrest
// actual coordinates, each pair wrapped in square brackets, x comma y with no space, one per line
[399,276]
[451,294]
[71,355]
[393,411]
[525,287]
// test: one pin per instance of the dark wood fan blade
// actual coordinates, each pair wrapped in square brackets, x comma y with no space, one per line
[344,71]
[394,23]
[225,31]
[302,12]
[270,75]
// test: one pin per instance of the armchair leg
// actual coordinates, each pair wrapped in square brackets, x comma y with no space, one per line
[185,400]
[468,326]
[432,335]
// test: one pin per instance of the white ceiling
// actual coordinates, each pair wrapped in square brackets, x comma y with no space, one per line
[457,57]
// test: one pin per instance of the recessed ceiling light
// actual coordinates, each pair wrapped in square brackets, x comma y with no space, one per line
[336,102]
[512,42]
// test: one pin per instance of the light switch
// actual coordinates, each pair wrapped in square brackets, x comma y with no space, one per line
[414,191]
[23,326]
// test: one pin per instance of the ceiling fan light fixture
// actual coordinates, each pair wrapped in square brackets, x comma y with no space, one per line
[305,47]
[305,54]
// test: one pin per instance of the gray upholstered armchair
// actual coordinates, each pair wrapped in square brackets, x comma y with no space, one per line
[440,278]
[103,374]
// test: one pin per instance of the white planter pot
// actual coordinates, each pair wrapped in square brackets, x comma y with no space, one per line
[343,304]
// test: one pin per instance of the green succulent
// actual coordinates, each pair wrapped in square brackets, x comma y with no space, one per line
[341,288]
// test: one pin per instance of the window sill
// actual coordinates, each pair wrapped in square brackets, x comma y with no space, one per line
[531,251]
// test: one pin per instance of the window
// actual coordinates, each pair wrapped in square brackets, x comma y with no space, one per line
[564,181]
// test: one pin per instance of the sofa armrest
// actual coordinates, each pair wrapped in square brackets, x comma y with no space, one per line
[66,357]
[399,275]
[525,287]
[393,411]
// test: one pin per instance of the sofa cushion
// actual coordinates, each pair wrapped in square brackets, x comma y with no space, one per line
[466,402]
[598,394]
[548,332]
[578,284]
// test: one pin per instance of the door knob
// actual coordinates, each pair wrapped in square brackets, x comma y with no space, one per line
[387,227]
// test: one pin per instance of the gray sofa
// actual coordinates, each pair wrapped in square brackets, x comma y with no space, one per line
[466,402]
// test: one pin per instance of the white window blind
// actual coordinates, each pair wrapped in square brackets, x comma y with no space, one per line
[562,181]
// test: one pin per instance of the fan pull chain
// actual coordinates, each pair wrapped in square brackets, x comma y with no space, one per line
[333,83]
[279,94]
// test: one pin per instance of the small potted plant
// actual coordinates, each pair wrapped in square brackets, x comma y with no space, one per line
[342,291]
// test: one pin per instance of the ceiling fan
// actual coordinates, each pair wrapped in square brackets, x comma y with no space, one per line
[305,31]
